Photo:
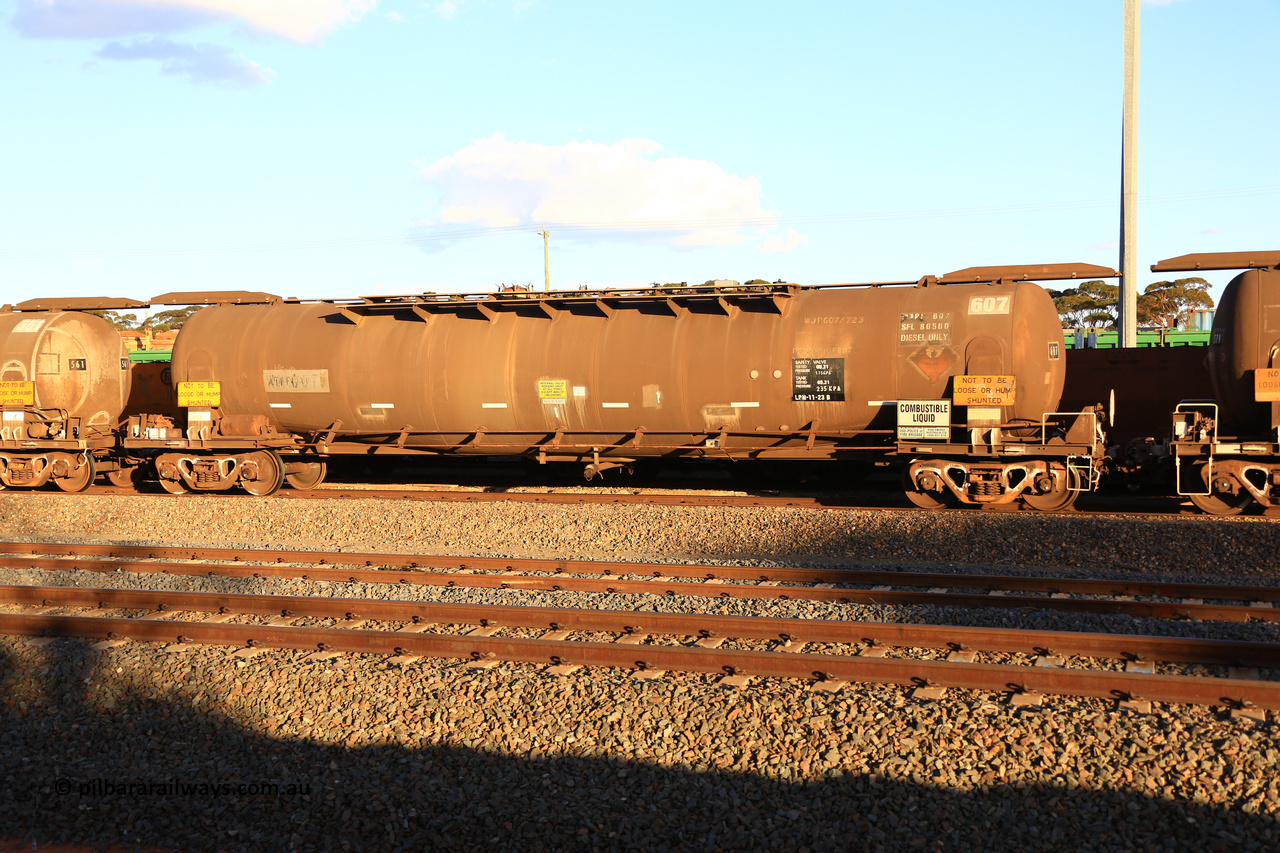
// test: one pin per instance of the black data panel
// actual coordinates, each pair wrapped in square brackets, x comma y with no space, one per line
[817,380]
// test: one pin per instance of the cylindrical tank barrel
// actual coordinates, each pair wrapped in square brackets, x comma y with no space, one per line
[737,364]
[77,361]
[1245,338]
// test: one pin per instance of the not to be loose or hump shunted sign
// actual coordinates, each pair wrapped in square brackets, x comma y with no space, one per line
[924,419]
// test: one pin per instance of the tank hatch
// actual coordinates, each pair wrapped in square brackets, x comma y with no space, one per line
[215,297]
[1028,272]
[78,303]
[1219,261]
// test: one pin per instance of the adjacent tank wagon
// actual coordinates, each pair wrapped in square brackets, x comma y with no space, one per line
[64,381]
[1227,451]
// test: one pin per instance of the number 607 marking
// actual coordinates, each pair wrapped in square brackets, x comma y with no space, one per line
[989,305]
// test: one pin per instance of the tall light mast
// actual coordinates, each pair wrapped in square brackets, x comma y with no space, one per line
[1129,182]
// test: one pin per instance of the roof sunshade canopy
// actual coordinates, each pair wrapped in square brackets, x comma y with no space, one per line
[1219,261]
[79,303]
[215,297]
[1028,272]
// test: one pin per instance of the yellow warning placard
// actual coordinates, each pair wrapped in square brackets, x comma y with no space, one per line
[17,393]
[983,390]
[199,393]
[553,389]
[1266,384]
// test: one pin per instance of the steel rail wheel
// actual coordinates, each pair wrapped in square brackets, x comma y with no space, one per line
[307,475]
[1223,505]
[924,498]
[270,473]
[80,478]
[1063,493]
[1219,501]
[125,478]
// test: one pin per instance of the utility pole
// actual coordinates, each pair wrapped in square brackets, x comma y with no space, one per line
[1129,182]
[546,259]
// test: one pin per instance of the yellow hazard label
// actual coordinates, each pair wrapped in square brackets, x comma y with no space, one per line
[199,393]
[983,390]
[17,393]
[553,389]
[1266,384]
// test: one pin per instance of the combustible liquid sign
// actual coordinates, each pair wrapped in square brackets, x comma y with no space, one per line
[924,419]
[983,390]
[1266,384]
[199,393]
[17,393]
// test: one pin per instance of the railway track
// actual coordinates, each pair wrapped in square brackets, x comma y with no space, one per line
[1091,504]
[929,658]
[1141,598]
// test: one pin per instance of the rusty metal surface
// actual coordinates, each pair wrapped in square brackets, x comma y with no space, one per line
[666,586]
[78,362]
[992,677]
[1218,261]
[1029,272]
[517,375]
[1149,382]
[214,297]
[220,560]
[840,632]
[151,389]
[78,303]
[1245,337]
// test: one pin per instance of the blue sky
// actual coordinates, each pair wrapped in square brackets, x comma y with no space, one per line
[331,148]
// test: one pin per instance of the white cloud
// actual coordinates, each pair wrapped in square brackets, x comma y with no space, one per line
[775,244]
[1213,229]
[199,63]
[446,9]
[297,20]
[595,191]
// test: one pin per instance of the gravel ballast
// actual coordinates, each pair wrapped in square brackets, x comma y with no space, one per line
[436,754]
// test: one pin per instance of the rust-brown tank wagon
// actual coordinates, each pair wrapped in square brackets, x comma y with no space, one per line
[64,381]
[1228,452]
[606,378]
[641,374]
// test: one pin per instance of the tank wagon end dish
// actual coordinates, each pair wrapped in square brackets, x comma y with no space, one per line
[64,380]
[1227,451]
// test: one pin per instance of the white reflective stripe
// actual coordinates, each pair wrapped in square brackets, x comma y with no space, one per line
[745,405]
[382,405]
[199,416]
[579,390]
[14,416]
[882,402]
[493,405]
[615,405]
[281,406]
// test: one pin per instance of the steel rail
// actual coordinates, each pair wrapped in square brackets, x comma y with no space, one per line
[1232,692]
[1043,643]
[1163,589]
[611,586]
[689,500]
[664,586]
